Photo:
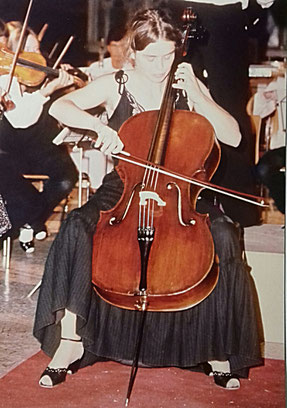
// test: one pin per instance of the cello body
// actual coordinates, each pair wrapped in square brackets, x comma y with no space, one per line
[177,267]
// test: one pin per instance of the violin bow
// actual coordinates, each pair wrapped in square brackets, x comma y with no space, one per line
[18,50]
[42,32]
[62,53]
[53,50]
[249,198]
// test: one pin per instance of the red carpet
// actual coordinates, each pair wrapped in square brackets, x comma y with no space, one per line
[104,385]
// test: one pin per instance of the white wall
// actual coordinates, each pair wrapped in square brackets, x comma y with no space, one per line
[268,274]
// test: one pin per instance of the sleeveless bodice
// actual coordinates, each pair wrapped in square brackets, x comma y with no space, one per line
[128,105]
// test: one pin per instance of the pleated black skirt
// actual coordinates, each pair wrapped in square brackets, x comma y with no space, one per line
[223,326]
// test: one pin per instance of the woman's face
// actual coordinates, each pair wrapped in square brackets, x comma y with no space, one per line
[116,50]
[155,60]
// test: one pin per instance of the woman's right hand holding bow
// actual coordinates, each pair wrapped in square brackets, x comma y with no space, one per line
[108,140]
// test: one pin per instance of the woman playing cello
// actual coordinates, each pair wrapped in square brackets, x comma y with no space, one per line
[74,326]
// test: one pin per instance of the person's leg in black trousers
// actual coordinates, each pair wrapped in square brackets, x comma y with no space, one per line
[22,200]
[31,151]
[270,171]
[43,157]
[55,162]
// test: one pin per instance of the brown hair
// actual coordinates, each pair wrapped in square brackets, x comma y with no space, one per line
[3,29]
[149,26]
[14,30]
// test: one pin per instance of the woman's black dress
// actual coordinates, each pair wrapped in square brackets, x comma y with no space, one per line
[223,326]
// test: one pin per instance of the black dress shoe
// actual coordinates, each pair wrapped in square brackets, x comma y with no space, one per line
[74,367]
[225,380]
[27,247]
[56,375]
[207,369]
[41,233]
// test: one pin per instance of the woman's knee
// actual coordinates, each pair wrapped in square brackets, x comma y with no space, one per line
[226,236]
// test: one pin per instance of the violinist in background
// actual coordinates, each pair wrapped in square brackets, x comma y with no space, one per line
[26,148]
[115,60]
[74,326]
[4,33]
[270,171]
[271,168]
[31,42]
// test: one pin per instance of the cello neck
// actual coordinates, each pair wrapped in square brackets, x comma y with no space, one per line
[160,136]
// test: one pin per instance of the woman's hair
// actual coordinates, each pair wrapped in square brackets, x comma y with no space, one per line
[3,29]
[14,30]
[149,26]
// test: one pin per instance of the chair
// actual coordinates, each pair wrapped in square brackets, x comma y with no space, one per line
[6,251]
[265,127]
[83,181]
[256,122]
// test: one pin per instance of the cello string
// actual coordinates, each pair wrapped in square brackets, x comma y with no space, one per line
[144,215]
[153,203]
[147,183]
[140,214]
[144,185]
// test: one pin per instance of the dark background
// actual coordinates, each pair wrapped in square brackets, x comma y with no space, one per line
[69,17]
[65,18]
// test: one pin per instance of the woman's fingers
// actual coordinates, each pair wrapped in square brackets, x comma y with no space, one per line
[118,147]
[64,79]
[187,81]
[108,141]
[185,72]
[66,67]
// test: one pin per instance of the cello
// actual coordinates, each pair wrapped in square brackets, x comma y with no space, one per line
[153,251]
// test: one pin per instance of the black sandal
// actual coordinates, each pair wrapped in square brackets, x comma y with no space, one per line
[206,368]
[222,379]
[58,375]
[27,247]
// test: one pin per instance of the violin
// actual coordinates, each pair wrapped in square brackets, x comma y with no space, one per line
[31,68]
